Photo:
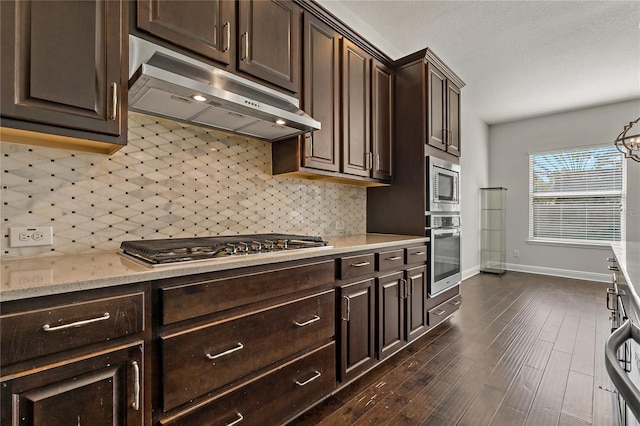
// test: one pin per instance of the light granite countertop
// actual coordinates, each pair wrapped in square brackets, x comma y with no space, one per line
[628,257]
[35,277]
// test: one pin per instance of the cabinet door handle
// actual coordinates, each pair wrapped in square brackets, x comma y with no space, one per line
[311,321]
[245,37]
[104,317]
[419,253]
[230,351]
[348,308]
[439,312]
[227,28]
[611,259]
[306,382]
[394,258]
[360,265]
[136,386]
[114,101]
[454,302]
[613,268]
[239,418]
[376,157]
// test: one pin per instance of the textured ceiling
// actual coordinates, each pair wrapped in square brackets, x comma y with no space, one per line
[518,58]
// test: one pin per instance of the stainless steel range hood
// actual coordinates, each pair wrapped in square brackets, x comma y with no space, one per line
[168,84]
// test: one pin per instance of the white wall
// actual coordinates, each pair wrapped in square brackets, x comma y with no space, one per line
[509,146]
[475,175]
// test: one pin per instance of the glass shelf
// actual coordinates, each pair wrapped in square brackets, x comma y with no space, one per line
[493,221]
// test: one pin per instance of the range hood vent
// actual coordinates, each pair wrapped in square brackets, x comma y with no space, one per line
[167,84]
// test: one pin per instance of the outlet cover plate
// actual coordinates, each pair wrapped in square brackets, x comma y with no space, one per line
[30,236]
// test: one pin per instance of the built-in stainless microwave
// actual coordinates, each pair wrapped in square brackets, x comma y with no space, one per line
[443,185]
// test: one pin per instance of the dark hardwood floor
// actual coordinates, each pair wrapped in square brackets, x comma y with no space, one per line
[523,349]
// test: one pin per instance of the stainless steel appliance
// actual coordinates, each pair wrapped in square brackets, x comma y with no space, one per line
[170,251]
[444,252]
[168,84]
[622,350]
[443,183]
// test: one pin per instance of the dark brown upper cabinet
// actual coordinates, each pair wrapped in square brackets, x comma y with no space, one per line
[321,94]
[381,121]
[351,94]
[64,73]
[204,27]
[269,41]
[357,158]
[443,111]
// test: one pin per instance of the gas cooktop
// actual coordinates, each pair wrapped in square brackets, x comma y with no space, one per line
[179,250]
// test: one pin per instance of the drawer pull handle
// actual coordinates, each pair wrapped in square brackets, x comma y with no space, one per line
[394,258]
[613,268]
[306,382]
[104,317]
[311,321]
[419,253]
[136,386]
[240,418]
[360,265]
[230,351]
[454,302]
[439,312]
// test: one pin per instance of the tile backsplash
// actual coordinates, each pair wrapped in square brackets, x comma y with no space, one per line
[171,180]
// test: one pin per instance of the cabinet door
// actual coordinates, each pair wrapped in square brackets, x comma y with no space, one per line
[321,94]
[436,108]
[417,296]
[391,313]
[357,337]
[356,92]
[204,27]
[101,390]
[62,64]
[381,121]
[453,119]
[269,41]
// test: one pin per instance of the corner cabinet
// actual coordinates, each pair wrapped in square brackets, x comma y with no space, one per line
[64,73]
[351,94]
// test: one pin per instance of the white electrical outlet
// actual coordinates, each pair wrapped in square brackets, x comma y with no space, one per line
[339,225]
[516,253]
[28,237]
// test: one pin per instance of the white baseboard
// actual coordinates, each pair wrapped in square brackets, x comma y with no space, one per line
[468,273]
[566,273]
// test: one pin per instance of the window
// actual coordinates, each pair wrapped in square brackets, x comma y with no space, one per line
[577,195]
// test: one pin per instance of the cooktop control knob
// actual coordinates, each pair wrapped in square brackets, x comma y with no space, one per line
[256,246]
[243,247]
[231,249]
[268,245]
[281,244]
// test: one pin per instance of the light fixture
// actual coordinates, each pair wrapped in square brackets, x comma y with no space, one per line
[629,144]
[198,98]
[281,122]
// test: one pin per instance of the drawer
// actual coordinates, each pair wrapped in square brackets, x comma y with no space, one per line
[390,260]
[191,300]
[416,254]
[442,311]
[31,334]
[203,359]
[356,266]
[273,398]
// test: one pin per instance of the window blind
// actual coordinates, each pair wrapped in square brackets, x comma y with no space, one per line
[576,195]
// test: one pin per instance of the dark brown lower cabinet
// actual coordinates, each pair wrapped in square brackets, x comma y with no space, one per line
[101,389]
[272,398]
[392,296]
[357,335]
[416,279]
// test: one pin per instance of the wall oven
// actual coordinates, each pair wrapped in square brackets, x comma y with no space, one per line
[443,183]
[444,252]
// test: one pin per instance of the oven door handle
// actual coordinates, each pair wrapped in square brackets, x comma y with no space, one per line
[446,232]
[623,384]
